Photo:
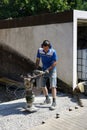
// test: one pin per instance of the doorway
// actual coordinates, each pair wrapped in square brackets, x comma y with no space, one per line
[82,50]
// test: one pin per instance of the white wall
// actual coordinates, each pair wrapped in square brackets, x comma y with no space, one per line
[26,40]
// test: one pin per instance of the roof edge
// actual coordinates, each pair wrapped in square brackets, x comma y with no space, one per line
[42,19]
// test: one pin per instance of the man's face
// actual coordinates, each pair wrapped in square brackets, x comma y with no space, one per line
[46,48]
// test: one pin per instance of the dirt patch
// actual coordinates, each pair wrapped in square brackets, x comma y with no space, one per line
[6,96]
[10,95]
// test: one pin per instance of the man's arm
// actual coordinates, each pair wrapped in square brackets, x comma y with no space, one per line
[53,65]
[55,59]
[37,62]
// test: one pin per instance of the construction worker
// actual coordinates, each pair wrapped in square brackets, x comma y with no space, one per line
[48,58]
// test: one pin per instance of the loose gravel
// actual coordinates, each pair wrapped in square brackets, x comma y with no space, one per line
[13,116]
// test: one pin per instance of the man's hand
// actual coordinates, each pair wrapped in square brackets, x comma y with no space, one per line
[47,71]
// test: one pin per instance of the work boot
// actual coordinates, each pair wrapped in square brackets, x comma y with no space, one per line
[53,106]
[46,101]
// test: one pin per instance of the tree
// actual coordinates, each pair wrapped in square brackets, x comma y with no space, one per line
[78,4]
[21,8]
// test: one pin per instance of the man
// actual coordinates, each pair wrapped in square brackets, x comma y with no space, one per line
[48,58]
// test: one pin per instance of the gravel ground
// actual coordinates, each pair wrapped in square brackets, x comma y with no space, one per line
[13,117]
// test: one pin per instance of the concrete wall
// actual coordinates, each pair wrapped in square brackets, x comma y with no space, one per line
[26,40]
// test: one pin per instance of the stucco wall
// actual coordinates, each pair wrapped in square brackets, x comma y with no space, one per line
[26,40]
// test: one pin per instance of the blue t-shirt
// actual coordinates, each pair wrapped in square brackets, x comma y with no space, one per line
[47,58]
